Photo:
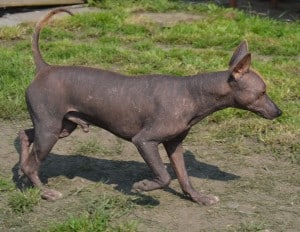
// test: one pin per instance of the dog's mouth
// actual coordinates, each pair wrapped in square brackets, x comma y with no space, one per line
[267,115]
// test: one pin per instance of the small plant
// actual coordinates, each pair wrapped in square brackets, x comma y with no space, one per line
[5,185]
[118,148]
[21,202]
[100,215]
[92,147]
[89,148]
[12,33]
[252,227]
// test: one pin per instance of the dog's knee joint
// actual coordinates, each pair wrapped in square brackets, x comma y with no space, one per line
[165,181]
[26,137]
[141,142]
[137,141]
[23,137]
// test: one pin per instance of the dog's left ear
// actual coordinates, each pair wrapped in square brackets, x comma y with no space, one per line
[241,67]
[239,53]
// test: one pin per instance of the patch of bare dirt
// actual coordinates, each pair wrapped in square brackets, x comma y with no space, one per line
[15,16]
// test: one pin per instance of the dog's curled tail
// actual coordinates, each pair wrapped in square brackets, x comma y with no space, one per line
[37,57]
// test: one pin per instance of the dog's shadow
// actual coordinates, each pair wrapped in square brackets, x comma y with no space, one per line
[119,173]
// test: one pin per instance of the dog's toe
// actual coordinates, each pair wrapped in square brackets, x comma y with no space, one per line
[51,195]
[207,200]
[141,185]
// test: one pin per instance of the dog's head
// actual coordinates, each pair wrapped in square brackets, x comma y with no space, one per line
[248,87]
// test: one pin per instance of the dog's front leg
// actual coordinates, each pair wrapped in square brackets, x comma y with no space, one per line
[149,151]
[175,152]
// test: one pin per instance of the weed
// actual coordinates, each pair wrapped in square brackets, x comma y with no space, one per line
[89,148]
[6,185]
[116,205]
[21,202]
[252,227]
[143,5]
[92,147]
[118,148]
[13,33]
[100,215]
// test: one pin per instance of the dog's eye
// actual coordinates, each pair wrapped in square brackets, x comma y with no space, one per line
[262,94]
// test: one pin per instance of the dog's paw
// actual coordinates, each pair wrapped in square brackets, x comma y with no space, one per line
[146,185]
[50,194]
[206,199]
[141,185]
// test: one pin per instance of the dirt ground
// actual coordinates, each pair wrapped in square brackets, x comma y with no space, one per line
[257,192]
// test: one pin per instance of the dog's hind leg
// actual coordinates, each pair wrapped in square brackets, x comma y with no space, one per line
[42,145]
[67,128]
[46,135]
[73,117]
[26,138]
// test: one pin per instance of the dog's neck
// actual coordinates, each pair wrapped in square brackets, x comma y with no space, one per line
[211,92]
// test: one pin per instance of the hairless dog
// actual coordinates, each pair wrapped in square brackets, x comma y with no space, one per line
[146,110]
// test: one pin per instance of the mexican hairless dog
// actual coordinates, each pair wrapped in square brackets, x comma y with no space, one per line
[146,110]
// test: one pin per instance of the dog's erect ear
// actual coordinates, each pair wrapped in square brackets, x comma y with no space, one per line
[239,53]
[241,67]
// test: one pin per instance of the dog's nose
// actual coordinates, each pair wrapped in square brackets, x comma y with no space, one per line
[279,112]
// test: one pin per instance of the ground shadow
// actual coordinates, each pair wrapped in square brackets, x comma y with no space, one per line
[288,10]
[122,174]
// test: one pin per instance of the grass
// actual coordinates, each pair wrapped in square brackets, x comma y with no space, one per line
[252,227]
[89,148]
[5,185]
[21,202]
[100,215]
[92,147]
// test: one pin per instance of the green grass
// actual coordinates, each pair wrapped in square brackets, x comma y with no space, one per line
[5,185]
[18,201]
[100,215]
[21,202]
[252,227]
[89,148]
[102,212]
[92,147]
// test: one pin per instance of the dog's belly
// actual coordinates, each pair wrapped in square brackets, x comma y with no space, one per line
[122,125]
